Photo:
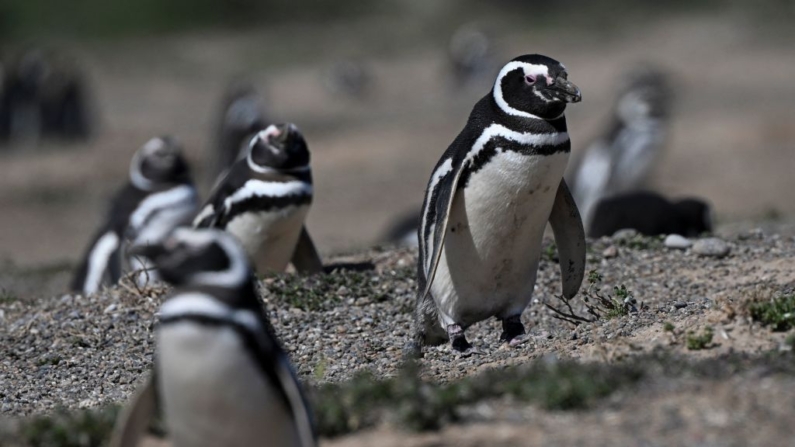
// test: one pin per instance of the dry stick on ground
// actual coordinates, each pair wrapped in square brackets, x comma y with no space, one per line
[570,316]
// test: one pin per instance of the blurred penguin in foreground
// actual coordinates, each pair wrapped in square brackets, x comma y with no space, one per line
[620,160]
[220,374]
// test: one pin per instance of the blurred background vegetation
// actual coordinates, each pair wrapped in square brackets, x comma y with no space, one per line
[25,19]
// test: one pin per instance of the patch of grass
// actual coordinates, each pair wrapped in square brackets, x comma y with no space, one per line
[641,242]
[697,342]
[321,292]
[418,405]
[790,341]
[52,360]
[7,297]
[597,304]
[777,312]
[551,252]
[668,326]
[65,428]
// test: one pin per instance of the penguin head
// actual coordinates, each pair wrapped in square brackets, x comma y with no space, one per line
[646,94]
[280,147]
[157,162]
[198,257]
[534,86]
[695,216]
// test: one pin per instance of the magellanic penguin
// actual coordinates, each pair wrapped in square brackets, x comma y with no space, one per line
[263,201]
[158,197]
[487,204]
[241,117]
[220,375]
[620,160]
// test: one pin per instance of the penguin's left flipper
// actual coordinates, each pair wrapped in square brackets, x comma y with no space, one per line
[134,419]
[570,239]
[305,257]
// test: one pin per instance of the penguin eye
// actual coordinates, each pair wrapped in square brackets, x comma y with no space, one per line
[530,79]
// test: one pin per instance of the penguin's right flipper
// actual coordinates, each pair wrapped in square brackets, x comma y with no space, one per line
[570,239]
[305,257]
[102,259]
[134,419]
[436,214]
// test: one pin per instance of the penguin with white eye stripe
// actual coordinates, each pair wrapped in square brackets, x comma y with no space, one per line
[159,197]
[220,375]
[264,199]
[487,204]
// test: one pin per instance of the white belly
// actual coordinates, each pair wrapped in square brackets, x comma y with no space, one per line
[492,248]
[269,238]
[214,394]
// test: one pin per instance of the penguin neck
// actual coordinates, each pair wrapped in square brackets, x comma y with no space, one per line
[243,297]
[526,125]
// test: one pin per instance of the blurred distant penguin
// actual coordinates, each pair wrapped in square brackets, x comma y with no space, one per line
[159,197]
[241,116]
[220,375]
[348,78]
[264,199]
[650,214]
[621,159]
[487,203]
[470,54]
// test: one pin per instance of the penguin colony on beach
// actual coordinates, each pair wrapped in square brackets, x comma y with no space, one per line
[220,375]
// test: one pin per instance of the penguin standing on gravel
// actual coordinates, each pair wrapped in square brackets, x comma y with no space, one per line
[159,196]
[220,375]
[263,201]
[487,204]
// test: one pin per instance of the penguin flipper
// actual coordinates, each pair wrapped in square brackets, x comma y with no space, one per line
[296,400]
[570,239]
[305,257]
[134,419]
[436,212]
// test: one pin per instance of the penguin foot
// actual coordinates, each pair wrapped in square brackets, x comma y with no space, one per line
[457,338]
[512,328]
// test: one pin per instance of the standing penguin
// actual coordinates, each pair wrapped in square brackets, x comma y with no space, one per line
[240,118]
[263,201]
[487,204]
[619,161]
[220,374]
[159,196]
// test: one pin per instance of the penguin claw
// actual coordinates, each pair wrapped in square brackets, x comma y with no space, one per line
[516,341]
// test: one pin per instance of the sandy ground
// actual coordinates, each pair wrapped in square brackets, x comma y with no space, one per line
[732,141]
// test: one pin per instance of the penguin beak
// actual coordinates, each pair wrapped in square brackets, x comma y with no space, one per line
[566,90]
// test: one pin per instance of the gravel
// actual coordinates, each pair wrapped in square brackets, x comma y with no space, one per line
[83,352]
[712,246]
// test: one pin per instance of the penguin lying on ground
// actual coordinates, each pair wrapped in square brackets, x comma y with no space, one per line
[240,119]
[220,375]
[650,214]
[263,201]
[620,160]
[487,204]
[159,197]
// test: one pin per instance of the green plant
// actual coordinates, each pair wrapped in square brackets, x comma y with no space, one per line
[696,342]
[776,312]
[668,326]
[62,428]
[597,304]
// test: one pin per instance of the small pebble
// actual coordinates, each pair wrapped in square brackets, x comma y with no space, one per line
[610,252]
[677,242]
[625,234]
[712,247]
